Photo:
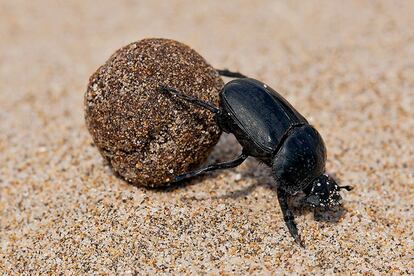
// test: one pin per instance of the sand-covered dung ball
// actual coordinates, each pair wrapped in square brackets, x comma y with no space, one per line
[146,136]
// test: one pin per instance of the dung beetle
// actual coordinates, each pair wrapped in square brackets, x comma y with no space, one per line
[271,130]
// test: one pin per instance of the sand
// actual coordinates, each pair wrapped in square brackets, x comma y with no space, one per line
[348,66]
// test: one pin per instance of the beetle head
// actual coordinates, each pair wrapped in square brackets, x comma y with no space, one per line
[324,192]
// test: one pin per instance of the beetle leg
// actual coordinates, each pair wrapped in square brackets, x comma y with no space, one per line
[230,74]
[190,99]
[213,167]
[288,216]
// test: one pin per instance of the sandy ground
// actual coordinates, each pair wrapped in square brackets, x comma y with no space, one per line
[348,66]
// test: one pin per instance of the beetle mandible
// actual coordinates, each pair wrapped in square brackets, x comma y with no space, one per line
[271,130]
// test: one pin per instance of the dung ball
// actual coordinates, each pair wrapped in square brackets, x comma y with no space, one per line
[146,136]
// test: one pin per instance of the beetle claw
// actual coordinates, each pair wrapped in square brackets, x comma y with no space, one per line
[347,187]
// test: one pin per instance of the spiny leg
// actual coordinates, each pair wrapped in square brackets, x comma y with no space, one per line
[230,74]
[173,92]
[288,216]
[213,167]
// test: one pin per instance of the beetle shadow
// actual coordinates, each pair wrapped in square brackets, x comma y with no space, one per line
[259,176]
[226,149]
[297,203]
[300,208]
[330,215]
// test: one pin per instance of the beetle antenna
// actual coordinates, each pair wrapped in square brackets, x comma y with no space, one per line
[347,187]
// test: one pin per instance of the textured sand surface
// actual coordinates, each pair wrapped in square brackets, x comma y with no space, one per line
[348,66]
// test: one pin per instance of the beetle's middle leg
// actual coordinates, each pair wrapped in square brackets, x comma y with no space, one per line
[190,99]
[213,167]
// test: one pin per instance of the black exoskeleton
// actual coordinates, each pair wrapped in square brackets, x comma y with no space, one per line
[271,130]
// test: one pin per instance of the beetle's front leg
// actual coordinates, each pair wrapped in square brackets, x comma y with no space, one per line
[288,216]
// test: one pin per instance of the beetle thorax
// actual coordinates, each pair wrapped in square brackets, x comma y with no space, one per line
[300,159]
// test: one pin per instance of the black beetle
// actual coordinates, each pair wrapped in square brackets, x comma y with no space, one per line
[271,130]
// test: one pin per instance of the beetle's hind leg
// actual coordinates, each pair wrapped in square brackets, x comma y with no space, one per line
[213,167]
[190,99]
[230,74]
[288,216]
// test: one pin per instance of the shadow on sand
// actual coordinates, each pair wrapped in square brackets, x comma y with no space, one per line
[258,174]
